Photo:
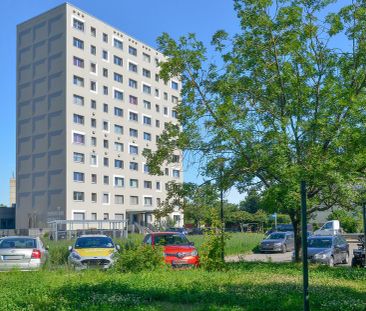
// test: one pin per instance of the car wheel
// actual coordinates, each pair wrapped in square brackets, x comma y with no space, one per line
[355,263]
[331,261]
[346,259]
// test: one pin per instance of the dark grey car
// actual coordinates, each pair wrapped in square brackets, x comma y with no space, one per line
[278,242]
[330,250]
[22,252]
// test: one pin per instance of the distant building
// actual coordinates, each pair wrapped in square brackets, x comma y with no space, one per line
[89,102]
[12,184]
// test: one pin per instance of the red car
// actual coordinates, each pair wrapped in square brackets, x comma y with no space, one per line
[178,251]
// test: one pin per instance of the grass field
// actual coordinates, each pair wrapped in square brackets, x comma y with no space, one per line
[244,286]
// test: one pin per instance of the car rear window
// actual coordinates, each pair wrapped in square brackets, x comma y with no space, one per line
[320,243]
[18,243]
[94,242]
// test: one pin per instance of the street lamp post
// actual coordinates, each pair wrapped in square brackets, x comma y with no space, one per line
[222,213]
[304,247]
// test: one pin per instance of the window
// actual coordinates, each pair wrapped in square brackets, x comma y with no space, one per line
[147,136]
[117,60]
[93,160]
[105,126]
[118,95]
[106,179]
[118,112]
[156,77]
[79,216]
[105,201]
[78,196]
[105,143]
[93,31]
[78,138]
[106,215]
[133,133]
[176,158]
[176,173]
[79,81]
[78,119]
[78,43]
[94,178]
[93,122]
[147,120]
[93,67]
[93,216]
[78,24]
[133,116]
[93,141]
[106,162]
[134,183]
[166,171]
[158,201]
[132,50]
[146,73]
[105,37]
[93,50]
[133,100]
[93,86]
[78,62]
[156,62]
[93,104]
[146,168]
[79,177]
[157,93]
[134,149]
[118,77]
[105,108]
[174,114]
[147,104]
[165,111]
[119,181]
[118,129]
[117,44]
[132,83]
[134,166]
[174,85]
[94,197]
[79,157]
[118,164]
[118,146]
[174,99]
[78,100]
[157,108]
[132,67]
[105,72]
[148,201]
[146,57]
[119,199]
[157,123]
[147,184]
[157,185]
[134,200]
[105,90]
[146,89]
[165,96]
[105,55]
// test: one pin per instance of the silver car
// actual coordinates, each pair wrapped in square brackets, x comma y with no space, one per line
[278,242]
[22,253]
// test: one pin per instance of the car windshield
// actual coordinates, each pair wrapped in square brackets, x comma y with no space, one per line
[276,236]
[18,243]
[171,239]
[320,243]
[94,242]
[285,228]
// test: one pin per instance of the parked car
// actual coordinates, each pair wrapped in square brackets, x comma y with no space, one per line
[359,254]
[196,231]
[278,242]
[92,251]
[180,230]
[178,251]
[331,227]
[330,250]
[22,252]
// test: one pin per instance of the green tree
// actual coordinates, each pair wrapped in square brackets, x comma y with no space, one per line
[280,106]
[351,222]
[251,203]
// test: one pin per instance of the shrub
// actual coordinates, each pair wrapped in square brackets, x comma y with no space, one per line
[140,258]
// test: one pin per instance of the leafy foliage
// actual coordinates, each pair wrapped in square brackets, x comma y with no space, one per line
[350,222]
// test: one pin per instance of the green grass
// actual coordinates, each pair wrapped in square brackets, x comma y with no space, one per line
[244,286]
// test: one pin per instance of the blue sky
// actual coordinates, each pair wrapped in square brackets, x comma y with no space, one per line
[143,19]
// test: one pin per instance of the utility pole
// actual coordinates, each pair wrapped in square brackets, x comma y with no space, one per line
[364,220]
[304,243]
[222,212]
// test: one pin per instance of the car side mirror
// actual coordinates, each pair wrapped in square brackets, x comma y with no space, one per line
[70,248]
[118,247]
[191,243]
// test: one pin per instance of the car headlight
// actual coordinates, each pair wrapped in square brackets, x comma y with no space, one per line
[320,256]
[75,255]
[277,244]
[194,253]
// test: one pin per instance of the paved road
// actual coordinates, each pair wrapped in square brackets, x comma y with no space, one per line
[275,257]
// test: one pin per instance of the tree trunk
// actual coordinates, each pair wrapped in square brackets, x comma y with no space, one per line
[297,235]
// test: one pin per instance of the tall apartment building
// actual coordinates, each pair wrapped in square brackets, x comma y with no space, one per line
[89,101]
